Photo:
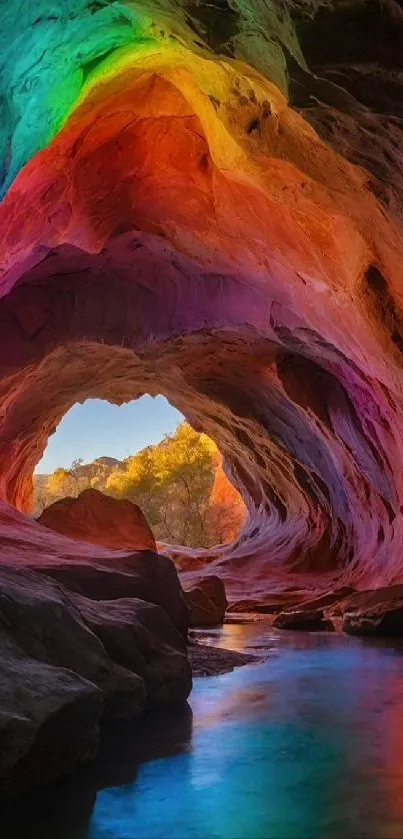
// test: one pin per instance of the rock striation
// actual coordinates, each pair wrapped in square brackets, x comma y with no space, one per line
[207,203]
[217,218]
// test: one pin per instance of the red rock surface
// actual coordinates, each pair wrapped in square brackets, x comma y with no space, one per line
[228,509]
[99,573]
[259,289]
[210,206]
[101,520]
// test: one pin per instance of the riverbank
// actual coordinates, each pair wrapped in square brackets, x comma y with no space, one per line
[213,661]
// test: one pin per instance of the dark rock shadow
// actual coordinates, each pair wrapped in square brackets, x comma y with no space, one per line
[63,810]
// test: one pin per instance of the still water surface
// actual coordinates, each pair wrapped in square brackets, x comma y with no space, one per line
[307,744]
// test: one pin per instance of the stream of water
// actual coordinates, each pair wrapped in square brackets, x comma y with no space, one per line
[307,744]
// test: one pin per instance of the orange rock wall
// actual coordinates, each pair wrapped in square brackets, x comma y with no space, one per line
[209,207]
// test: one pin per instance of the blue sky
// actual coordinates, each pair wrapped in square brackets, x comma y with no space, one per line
[98,428]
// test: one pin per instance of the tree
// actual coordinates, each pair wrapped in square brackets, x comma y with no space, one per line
[60,482]
[70,481]
[179,484]
[171,483]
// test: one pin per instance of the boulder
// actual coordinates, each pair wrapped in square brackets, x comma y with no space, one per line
[311,620]
[101,520]
[65,661]
[144,575]
[49,719]
[313,613]
[207,602]
[378,612]
[44,622]
[140,637]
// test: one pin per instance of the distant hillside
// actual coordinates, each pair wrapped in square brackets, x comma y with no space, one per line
[113,462]
[83,475]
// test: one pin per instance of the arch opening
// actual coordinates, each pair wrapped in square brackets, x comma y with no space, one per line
[255,395]
[143,452]
[177,250]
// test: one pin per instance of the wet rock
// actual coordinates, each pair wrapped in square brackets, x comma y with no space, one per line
[211,661]
[377,613]
[101,520]
[207,602]
[310,620]
[313,614]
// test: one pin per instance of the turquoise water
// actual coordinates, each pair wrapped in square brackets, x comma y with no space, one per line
[308,743]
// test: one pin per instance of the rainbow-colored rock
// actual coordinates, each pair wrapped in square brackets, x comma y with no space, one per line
[196,203]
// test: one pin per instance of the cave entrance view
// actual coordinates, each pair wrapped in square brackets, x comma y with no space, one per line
[201,206]
[143,452]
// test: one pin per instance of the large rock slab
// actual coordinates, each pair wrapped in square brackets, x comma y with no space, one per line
[311,614]
[140,637]
[47,626]
[101,520]
[49,719]
[65,662]
[143,575]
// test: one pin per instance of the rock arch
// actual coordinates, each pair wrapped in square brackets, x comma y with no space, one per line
[182,229]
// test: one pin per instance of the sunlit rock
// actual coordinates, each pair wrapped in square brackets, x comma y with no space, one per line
[228,511]
[101,520]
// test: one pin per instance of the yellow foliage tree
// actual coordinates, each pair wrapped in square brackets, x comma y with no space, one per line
[178,483]
[59,482]
[171,482]
[70,481]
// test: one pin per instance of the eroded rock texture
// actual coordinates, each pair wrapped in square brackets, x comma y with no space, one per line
[204,200]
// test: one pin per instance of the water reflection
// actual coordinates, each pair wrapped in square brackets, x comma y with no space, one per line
[305,745]
[63,810]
